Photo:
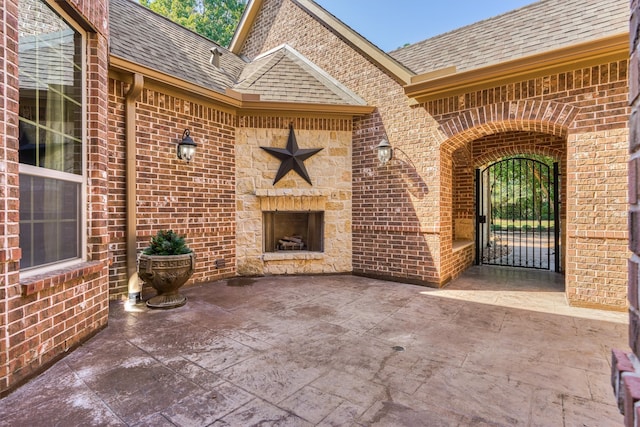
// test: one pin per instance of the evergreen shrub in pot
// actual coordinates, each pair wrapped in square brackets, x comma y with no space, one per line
[166,264]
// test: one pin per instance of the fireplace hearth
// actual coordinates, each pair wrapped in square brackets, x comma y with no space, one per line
[293,231]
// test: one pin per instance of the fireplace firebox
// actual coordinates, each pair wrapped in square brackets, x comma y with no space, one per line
[293,231]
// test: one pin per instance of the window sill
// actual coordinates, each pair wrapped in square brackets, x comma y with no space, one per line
[34,284]
[459,245]
[291,255]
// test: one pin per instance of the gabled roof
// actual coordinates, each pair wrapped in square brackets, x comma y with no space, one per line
[543,26]
[169,53]
[141,36]
[364,46]
[284,75]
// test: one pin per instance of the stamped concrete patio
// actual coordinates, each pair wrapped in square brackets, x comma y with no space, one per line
[340,351]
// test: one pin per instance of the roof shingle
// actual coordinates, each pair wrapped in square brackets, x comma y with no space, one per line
[539,27]
[143,37]
[146,38]
[285,75]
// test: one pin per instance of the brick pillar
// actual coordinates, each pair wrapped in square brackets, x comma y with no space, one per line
[9,248]
[625,366]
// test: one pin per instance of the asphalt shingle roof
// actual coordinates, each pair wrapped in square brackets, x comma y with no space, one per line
[539,27]
[146,38]
[285,75]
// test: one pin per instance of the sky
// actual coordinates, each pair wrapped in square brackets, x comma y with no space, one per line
[389,24]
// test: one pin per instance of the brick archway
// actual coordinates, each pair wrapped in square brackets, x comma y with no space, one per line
[544,120]
[528,115]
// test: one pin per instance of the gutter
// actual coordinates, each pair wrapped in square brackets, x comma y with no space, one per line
[230,100]
[447,82]
[135,289]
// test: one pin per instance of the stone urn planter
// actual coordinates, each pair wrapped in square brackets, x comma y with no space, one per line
[166,264]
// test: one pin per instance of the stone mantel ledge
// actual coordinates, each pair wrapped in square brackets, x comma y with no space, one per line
[291,255]
[292,192]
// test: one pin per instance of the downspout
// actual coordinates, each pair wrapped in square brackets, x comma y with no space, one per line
[135,289]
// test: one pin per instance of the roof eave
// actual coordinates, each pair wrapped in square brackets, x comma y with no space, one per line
[244,26]
[306,108]
[425,87]
[227,97]
[231,99]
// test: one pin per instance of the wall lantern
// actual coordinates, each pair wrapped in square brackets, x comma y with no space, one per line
[186,148]
[385,152]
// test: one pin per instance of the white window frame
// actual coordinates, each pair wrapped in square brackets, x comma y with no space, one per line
[64,176]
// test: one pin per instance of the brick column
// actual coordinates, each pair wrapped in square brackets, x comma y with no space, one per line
[625,366]
[9,248]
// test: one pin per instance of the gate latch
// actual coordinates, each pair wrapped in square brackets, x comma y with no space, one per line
[482,219]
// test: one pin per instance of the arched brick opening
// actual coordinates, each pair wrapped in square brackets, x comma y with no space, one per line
[478,137]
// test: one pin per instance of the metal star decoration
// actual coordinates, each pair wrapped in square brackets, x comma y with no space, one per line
[292,157]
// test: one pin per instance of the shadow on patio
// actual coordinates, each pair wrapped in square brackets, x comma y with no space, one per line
[340,350]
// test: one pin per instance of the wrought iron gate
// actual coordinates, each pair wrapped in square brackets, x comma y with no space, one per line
[518,215]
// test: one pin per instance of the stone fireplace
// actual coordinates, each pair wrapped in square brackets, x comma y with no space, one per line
[294,227]
[293,231]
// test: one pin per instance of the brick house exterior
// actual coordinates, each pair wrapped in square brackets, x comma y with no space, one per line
[411,220]
[446,122]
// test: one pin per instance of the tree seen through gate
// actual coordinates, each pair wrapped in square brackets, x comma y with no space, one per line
[518,213]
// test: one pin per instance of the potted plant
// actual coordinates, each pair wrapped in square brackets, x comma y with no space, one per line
[166,264]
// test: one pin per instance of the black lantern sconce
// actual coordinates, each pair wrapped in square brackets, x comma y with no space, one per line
[186,148]
[385,152]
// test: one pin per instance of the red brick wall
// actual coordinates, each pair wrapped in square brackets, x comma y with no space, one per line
[196,199]
[634,181]
[584,110]
[258,40]
[463,187]
[9,190]
[43,317]
[117,190]
[625,377]
[389,239]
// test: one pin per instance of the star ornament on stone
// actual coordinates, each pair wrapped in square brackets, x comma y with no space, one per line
[292,158]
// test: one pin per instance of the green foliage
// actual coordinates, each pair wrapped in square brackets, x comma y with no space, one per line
[214,19]
[166,242]
[523,225]
[522,190]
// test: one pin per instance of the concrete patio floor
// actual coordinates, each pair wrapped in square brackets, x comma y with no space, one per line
[496,347]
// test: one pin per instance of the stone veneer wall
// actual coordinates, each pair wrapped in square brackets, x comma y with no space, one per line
[396,216]
[330,173]
[43,317]
[625,366]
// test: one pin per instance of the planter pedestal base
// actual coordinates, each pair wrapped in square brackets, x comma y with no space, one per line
[167,301]
[166,274]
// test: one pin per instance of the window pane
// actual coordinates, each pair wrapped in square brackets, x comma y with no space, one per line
[30,148]
[60,153]
[50,89]
[51,135]
[37,252]
[49,220]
